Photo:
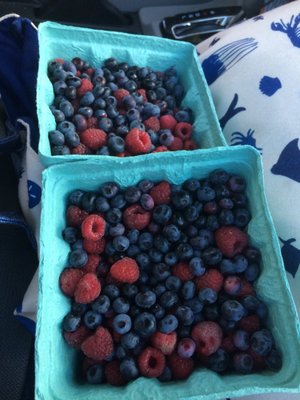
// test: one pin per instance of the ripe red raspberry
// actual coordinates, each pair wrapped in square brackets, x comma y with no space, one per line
[99,345]
[113,374]
[161,193]
[69,279]
[183,130]
[167,122]
[181,367]
[87,289]
[92,263]
[59,60]
[92,122]
[135,217]
[250,323]
[75,216]
[138,142]
[211,279]
[125,270]
[90,71]
[165,342]
[93,227]
[75,339]
[94,246]
[231,240]
[208,336]
[119,94]
[246,289]
[151,362]
[143,93]
[80,149]
[86,86]
[160,149]
[183,271]
[190,144]
[152,123]
[93,138]
[177,144]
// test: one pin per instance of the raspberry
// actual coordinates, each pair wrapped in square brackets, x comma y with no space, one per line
[177,144]
[94,246]
[125,270]
[143,93]
[250,323]
[60,60]
[211,279]
[76,338]
[90,71]
[152,123]
[92,122]
[69,279]
[75,216]
[80,149]
[88,288]
[93,227]
[151,362]
[112,373]
[86,86]
[190,144]
[160,149]
[258,361]
[183,271]
[165,342]
[183,130]
[167,122]
[76,104]
[99,345]
[208,337]
[93,138]
[231,240]
[138,142]
[161,193]
[181,367]
[246,289]
[92,263]
[135,217]
[228,345]
[120,94]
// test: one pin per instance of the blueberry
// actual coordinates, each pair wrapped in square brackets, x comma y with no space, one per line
[206,193]
[166,375]
[113,216]
[184,251]
[184,331]
[168,324]
[116,230]
[232,310]
[133,115]
[226,203]
[105,124]
[72,139]
[241,217]
[87,99]
[145,185]
[129,290]
[158,311]
[218,176]
[112,291]
[237,183]
[100,113]
[162,214]
[203,240]
[211,312]
[191,213]
[102,303]
[71,322]
[188,290]
[250,303]
[110,249]
[155,255]
[166,137]
[207,295]
[121,243]
[212,223]
[219,361]
[143,260]
[262,310]
[121,352]
[241,339]
[120,305]
[173,283]
[227,267]
[161,271]
[59,116]
[59,87]
[172,233]
[252,254]
[132,194]
[78,308]
[70,234]
[145,324]
[109,189]
[226,217]
[130,340]
[261,342]
[161,244]
[103,151]
[88,201]
[240,263]
[66,126]
[181,199]
[147,201]
[92,319]
[151,110]
[136,123]
[274,360]
[211,256]
[56,138]
[168,299]
[186,348]
[159,289]
[80,122]
[133,251]
[252,272]
[95,374]
[116,144]
[130,85]
[77,258]
[122,323]
[171,258]
[185,315]
[74,81]
[197,267]
[194,304]
[128,369]
[145,299]
[243,363]
[86,111]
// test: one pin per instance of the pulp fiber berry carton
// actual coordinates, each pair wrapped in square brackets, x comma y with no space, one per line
[56,371]
[95,46]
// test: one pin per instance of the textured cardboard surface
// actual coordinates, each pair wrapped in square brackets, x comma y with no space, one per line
[56,361]
[61,41]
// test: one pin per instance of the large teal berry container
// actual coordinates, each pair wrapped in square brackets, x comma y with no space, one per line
[56,361]
[61,41]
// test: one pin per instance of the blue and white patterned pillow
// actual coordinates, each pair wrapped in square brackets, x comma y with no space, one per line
[253,71]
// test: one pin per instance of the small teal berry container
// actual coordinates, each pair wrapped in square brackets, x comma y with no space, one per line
[56,362]
[66,42]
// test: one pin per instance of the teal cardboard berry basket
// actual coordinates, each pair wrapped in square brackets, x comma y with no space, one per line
[61,41]
[56,361]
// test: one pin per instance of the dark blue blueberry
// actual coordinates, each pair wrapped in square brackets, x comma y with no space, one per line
[101,204]
[211,312]
[114,215]
[112,291]
[145,324]
[59,87]
[274,360]
[219,361]
[121,243]
[120,305]
[161,271]
[109,189]
[80,122]
[178,219]
[158,311]
[92,319]
[241,217]
[77,258]
[129,102]
[143,260]
[226,217]
[203,240]
[262,311]
[168,324]
[95,374]
[128,369]
[237,183]
[72,139]
[118,201]
[133,250]
[243,363]
[132,194]
[171,258]
[100,113]
[184,331]
[99,103]
[206,193]
[165,137]
[122,323]
[153,136]
[116,144]
[191,213]
[87,99]
[173,283]
[162,214]
[166,375]
[129,290]
[66,126]
[145,299]
[133,115]
[218,177]
[159,289]
[181,199]
[252,254]
[178,93]
[75,197]
[121,352]
[147,201]
[168,299]
[130,85]
[71,322]
[161,244]
[226,203]
[198,317]
[232,310]
[252,272]
[86,112]
[59,116]
[250,303]
[110,249]
[56,138]
[105,124]
[119,121]
[197,267]
[194,304]
[227,267]
[130,340]
[78,245]
[136,123]
[191,231]
[133,235]
[172,233]
[241,339]
[240,263]
[134,311]
[212,256]
[185,315]
[155,255]
[151,110]
[227,326]
[143,279]
[78,308]
[102,303]
[88,201]
[73,81]
[188,290]
[70,234]
[212,222]
[207,295]
[182,116]
[103,151]
[117,230]
[184,251]
[145,185]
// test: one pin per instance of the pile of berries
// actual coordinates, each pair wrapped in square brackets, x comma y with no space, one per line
[117,109]
[161,281]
